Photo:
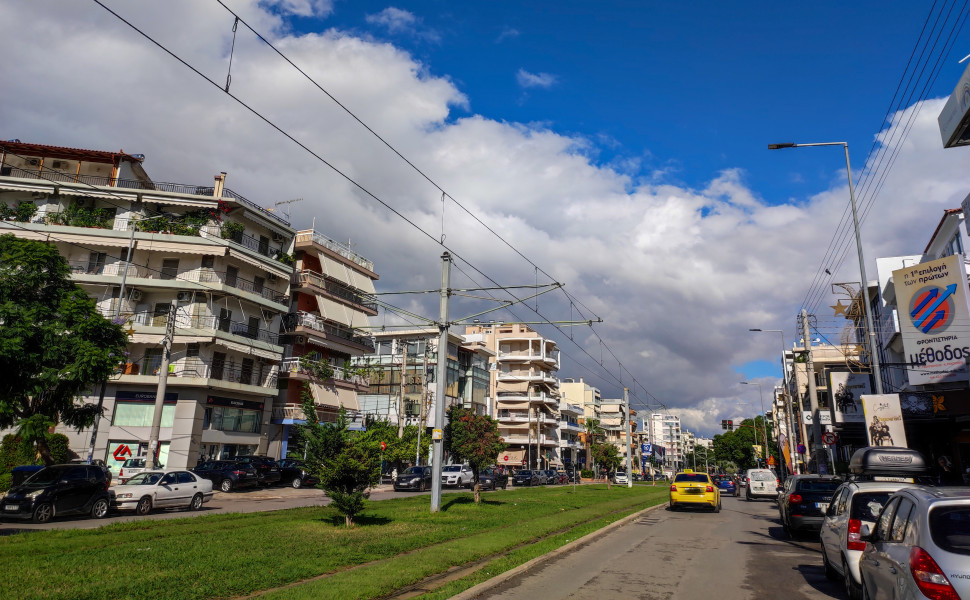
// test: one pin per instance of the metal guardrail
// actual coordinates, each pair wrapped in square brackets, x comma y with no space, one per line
[336,288]
[309,235]
[304,319]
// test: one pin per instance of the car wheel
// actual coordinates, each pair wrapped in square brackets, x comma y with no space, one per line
[226,485]
[853,591]
[43,513]
[144,506]
[830,573]
[196,502]
[100,508]
[297,483]
[718,508]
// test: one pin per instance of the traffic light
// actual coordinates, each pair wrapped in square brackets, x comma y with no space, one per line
[723,423]
[730,425]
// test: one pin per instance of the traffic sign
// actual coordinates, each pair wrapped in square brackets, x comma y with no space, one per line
[383,445]
[801,449]
[829,438]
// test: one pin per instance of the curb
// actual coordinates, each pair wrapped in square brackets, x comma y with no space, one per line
[474,592]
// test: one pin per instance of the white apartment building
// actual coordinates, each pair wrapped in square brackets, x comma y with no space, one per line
[526,392]
[143,249]
[614,425]
[589,400]
[664,430]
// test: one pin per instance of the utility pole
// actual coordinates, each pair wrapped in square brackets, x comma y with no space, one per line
[812,397]
[437,438]
[400,402]
[629,448]
[150,462]
[425,397]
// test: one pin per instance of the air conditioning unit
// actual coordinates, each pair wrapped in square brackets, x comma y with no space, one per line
[299,340]
[184,296]
[136,295]
[59,164]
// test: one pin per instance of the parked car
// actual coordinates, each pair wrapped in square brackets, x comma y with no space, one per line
[457,476]
[414,478]
[727,485]
[98,463]
[919,547]
[525,477]
[563,477]
[227,475]
[59,490]
[762,483]
[857,504]
[621,478]
[803,502]
[552,477]
[132,467]
[267,469]
[294,474]
[162,489]
[20,474]
[491,479]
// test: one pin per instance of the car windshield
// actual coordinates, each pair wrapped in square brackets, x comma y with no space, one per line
[452,468]
[524,473]
[149,478]
[681,477]
[47,476]
[134,463]
[811,485]
[950,528]
[866,506]
[763,476]
[208,465]
[414,471]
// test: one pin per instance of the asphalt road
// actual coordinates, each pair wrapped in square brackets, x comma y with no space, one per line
[739,553]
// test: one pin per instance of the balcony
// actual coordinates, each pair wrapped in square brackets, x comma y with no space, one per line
[531,375]
[569,426]
[512,397]
[336,288]
[544,440]
[308,235]
[510,417]
[313,322]
[887,327]
[237,328]
[292,365]
[196,368]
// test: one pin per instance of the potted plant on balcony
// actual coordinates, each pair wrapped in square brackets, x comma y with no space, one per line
[232,230]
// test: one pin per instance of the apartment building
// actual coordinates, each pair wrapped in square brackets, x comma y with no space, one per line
[664,430]
[524,385]
[589,400]
[147,252]
[614,425]
[324,332]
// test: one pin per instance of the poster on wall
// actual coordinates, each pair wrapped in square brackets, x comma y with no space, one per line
[934,319]
[847,390]
[884,420]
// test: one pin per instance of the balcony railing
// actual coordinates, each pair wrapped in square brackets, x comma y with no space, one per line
[293,365]
[311,321]
[245,330]
[336,288]
[133,184]
[309,235]
[262,246]
[888,326]
[194,367]
[524,397]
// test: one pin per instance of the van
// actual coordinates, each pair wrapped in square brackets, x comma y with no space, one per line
[762,483]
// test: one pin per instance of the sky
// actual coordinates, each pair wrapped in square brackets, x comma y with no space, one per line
[616,147]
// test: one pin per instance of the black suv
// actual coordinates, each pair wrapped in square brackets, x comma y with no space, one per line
[226,475]
[294,473]
[59,490]
[267,468]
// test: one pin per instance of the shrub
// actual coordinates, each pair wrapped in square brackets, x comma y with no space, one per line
[60,448]
[6,480]
[26,211]
[586,473]
[232,230]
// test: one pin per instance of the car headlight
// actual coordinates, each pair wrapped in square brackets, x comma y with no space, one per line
[121,496]
[34,494]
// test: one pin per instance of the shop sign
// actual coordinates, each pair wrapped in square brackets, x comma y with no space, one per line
[233,402]
[824,417]
[133,396]
[884,420]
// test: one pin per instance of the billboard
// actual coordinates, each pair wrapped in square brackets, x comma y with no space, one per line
[847,390]
[934,319]
[954,119]
[824,417]
[884,420]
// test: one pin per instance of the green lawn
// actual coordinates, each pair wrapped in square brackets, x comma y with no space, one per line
[396,543]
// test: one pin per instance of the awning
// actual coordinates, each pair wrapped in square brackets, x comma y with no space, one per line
[180,247]
[337,270]
[121,194]
[156,338]
[511,457]
[276,269]
[72,238]
[334,396]
[169,201]
[362,282]
[332,310]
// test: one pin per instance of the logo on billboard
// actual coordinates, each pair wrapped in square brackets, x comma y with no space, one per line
[931,308]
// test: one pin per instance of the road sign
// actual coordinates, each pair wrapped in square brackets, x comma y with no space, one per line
[829,438]
[801,449]
[383,445]
[436,434]
[771,461]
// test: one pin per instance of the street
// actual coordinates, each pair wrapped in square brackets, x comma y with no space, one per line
[739,553]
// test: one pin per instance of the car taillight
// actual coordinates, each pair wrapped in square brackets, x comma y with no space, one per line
[852,540]
[794,499]
[709,489]
[929,577]
[777,482]
[673,488]
[238,472]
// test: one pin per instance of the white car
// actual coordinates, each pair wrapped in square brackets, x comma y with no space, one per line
[132,467]
[620,478]
[762,483]
[162,489]
[457,475]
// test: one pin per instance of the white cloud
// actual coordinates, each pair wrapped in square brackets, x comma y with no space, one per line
[508,33]
[535,80]
[398,21]
[677,274]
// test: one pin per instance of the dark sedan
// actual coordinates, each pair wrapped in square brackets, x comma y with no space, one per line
[526,477]
[491,479]
[59,490]
[227,475]
[804,500]
[416,479]
[267,469]
[294,474]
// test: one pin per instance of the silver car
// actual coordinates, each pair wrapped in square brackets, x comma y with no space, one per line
[920,547]
[149,490]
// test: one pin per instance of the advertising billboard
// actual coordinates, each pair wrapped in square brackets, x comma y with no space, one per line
[934,319]
[824,417]
[847,390]
[884,420]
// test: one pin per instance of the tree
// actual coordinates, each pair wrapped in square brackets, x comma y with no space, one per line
[346,465]
[608,457]
[54,344]
[473,439]
[592,433]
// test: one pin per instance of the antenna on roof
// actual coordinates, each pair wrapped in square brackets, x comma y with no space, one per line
[285,211]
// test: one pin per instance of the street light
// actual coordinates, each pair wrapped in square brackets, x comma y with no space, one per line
[764,428]
[871,332]
[789,415]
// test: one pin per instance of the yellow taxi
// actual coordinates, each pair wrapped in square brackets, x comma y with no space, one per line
[694,489]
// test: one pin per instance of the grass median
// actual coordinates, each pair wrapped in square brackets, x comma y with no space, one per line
[307,552]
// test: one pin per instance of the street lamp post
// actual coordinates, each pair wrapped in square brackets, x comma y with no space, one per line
[790,417]
[764,428]
[864,292]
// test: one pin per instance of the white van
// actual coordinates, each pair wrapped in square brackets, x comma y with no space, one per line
[762,483]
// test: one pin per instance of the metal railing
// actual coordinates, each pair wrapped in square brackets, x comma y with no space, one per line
[229,370]
[255,244]
[309,235]
[294,365]
[336,288]
[311,321]
[134,184]
[206,323]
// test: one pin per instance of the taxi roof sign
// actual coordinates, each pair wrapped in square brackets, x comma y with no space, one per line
[688,470]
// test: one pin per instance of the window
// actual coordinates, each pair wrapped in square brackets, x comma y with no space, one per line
[264,245]
[950,528]
[152,362]
[96,263]
[170,268]
[208,262]
[192,351]
[252,331]
[227,418]
[184,477]
[898,529]
[882,525]
[218,364]
[246,373]
[954,246]
[225,318]
[140,414]
[160,316]
[258,283]
[169,479]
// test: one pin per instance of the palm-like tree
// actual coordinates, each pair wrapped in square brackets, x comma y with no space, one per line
[592,432]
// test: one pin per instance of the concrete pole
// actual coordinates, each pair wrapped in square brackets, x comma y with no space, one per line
[813,399]
[400,402]
[441,380]
[629,446]
[160,390]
